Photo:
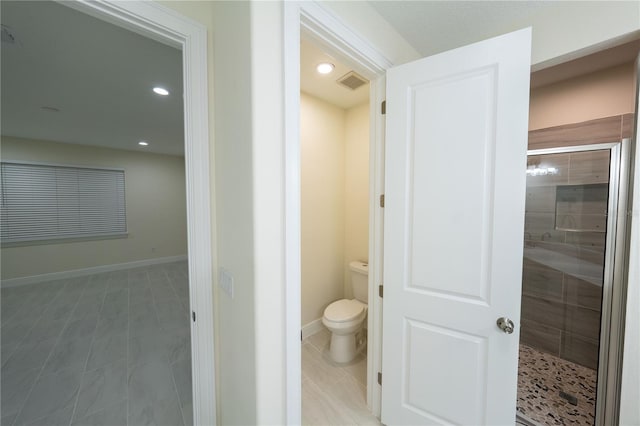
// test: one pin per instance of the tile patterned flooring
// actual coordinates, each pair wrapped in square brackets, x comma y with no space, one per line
[114,349]
[104,349]
[542,376]
[333,394]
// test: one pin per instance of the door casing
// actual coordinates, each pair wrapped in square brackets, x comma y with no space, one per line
[315,23]
[157,22]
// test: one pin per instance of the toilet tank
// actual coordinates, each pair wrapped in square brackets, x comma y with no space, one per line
[359,280]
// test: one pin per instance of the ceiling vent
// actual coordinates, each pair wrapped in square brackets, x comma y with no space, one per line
[7,35]
[352,80]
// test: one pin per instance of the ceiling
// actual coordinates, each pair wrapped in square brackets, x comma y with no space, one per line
[432,27]
[622,54]
[324,86]
[99,78]
[96,88]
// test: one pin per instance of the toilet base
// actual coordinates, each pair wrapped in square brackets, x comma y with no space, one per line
[345,347]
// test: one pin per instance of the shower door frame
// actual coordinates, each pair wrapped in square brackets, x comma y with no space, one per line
[614,286]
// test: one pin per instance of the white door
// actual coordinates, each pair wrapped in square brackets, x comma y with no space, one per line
[456,147]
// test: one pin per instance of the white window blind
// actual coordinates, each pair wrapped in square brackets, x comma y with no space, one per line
[43,202]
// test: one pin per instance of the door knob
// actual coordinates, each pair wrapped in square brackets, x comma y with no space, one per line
[505,324]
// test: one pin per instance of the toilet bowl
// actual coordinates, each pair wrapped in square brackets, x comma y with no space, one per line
[345,318]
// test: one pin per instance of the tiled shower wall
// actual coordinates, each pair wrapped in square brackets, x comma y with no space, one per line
[554,316]
[562,272]
[561,300]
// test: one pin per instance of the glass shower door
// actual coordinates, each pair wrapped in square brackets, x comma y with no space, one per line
[567,236]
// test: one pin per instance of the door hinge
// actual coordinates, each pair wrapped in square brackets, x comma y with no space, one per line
[382,200]
[380,290]
[383,107]
[380,378]
[193,315]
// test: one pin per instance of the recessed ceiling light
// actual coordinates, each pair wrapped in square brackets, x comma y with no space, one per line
[325,68]
[161,91]
[143,143]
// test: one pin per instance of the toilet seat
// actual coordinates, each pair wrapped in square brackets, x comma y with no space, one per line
[344,310]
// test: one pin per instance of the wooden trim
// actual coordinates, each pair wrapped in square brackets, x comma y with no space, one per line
[609,129]
[627,125]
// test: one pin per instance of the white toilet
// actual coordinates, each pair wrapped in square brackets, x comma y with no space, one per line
[345,318]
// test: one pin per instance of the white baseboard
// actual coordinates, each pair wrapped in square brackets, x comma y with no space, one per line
[312,328]
[13,282]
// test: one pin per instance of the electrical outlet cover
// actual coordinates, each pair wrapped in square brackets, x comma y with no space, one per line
[226,281]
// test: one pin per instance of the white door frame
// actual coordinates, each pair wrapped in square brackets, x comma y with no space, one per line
[169,27]
[324,28]
[615,285]
[314,22]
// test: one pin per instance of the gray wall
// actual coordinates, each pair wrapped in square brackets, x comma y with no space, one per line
[156,210]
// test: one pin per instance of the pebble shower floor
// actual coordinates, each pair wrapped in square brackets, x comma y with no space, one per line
[541,378]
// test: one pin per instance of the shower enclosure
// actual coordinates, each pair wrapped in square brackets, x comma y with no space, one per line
[568,364]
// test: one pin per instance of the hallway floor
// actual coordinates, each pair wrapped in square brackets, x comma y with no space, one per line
[104,349]
[333,394]
[542,376]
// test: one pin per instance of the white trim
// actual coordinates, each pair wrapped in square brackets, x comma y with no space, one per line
[630,387]
[326,29]
[33,279]
[155,21]
[293,280]
[312,328]
[376,246]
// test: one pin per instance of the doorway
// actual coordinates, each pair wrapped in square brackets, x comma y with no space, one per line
[312,22]
[107,317]
[292,179]
[162,24]
[334,127]
[333,38]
